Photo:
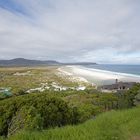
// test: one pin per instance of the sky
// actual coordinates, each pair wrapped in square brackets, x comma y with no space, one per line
[102,31]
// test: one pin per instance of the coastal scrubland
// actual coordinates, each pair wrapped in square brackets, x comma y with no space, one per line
[19,80]
[64,113]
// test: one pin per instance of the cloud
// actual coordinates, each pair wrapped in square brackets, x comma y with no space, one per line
[71,30]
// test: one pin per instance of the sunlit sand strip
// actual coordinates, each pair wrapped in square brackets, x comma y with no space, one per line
[71,76]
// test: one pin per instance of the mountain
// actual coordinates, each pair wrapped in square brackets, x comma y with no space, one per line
[28,62]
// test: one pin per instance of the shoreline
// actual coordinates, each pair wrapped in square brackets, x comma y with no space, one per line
[99,77]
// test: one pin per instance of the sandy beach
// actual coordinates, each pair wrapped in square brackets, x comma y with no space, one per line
[99,77]
[64,72]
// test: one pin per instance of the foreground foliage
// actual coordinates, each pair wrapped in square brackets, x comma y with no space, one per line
[34,112]
[114,125]
[39,111]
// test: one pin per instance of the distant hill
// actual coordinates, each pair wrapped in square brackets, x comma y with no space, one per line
[28,62]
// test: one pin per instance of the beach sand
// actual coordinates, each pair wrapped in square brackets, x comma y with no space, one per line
[99,77]
[64,72]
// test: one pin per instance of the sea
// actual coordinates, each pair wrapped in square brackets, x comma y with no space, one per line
[125,69]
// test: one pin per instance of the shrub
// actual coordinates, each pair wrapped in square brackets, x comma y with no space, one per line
[34,111]
[25,118]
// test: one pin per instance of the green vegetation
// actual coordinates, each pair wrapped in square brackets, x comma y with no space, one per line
[114,125]
[38,111]
[21,79]
[34,111]
[48,114]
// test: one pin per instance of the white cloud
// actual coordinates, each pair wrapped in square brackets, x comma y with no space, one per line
[72,30]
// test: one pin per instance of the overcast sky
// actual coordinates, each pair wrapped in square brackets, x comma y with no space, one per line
[102,31]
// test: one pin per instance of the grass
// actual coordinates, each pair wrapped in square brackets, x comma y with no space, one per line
[114,125]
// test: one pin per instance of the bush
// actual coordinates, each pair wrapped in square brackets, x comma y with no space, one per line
[26,118]
[34,111]
[127,99]
[137,99]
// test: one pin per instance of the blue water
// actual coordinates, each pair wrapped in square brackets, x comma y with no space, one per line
[128,69]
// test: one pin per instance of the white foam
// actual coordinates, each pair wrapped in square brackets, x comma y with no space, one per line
[111,72]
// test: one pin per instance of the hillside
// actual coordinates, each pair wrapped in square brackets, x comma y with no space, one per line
[114,125]
[26,62]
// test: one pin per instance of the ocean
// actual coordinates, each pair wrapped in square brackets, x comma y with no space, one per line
[125,69]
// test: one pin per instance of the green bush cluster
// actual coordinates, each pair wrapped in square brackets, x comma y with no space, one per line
[127,99]
[36,111]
